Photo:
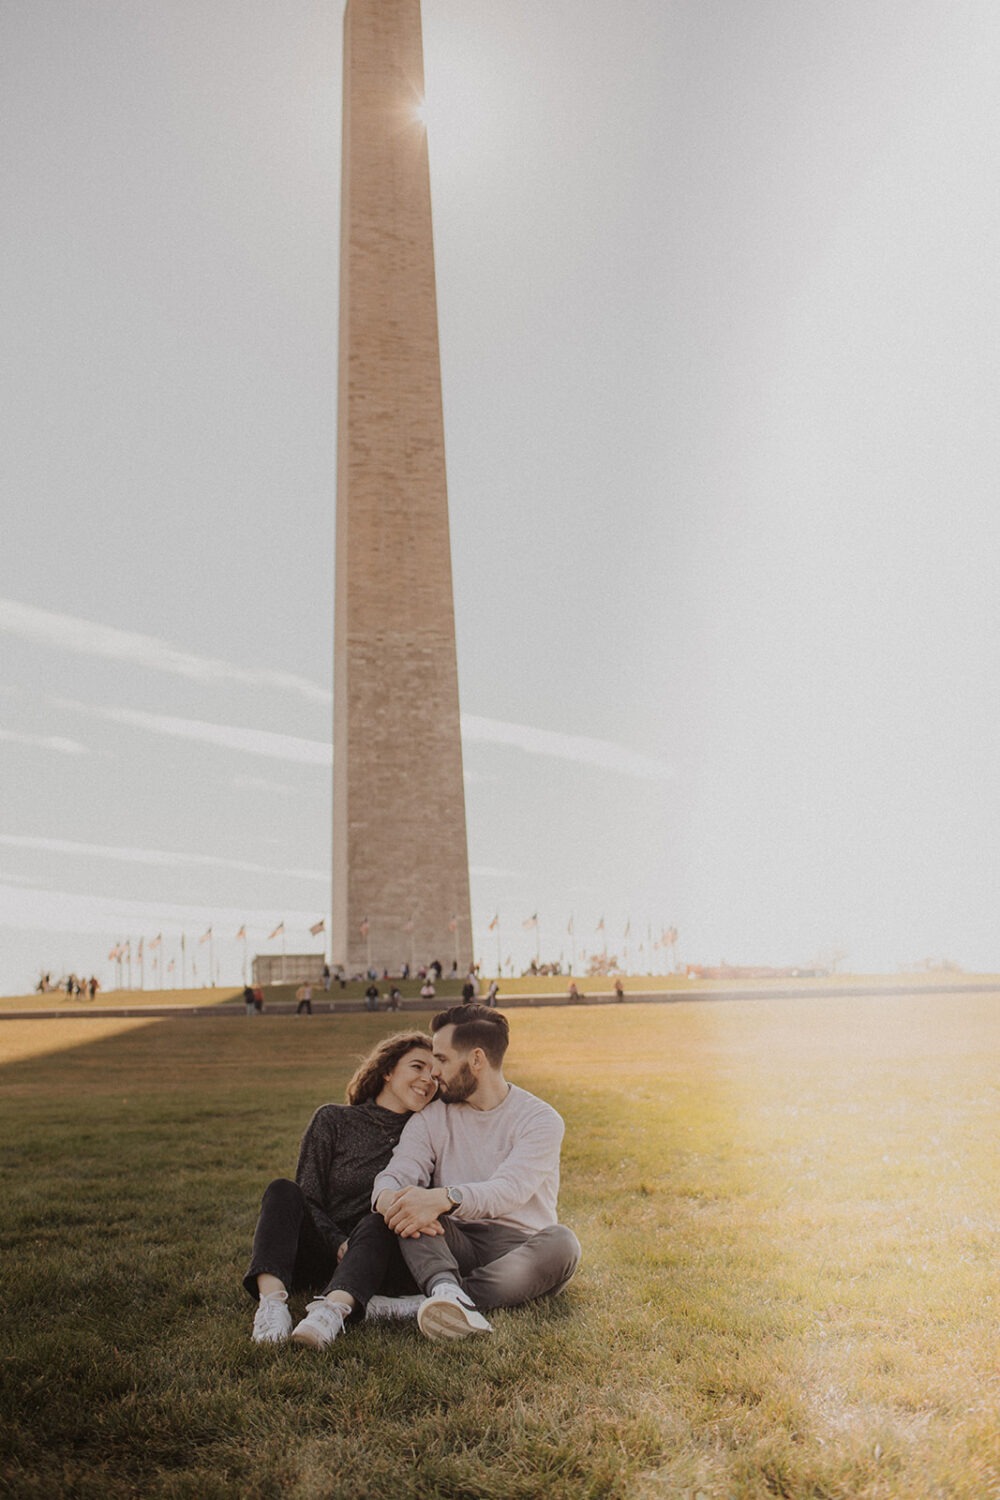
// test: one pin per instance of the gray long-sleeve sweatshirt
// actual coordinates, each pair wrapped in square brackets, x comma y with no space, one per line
[505,1160]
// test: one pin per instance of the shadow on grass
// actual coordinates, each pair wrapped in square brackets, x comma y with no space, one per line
[740,1323]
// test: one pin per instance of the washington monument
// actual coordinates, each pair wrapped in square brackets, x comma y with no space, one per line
[400,855]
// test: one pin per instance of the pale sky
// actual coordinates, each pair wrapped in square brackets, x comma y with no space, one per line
[720,342]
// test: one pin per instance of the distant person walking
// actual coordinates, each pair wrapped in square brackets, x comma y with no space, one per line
[304,995]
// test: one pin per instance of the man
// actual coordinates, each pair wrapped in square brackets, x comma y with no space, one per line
[471,1188]
[304,995]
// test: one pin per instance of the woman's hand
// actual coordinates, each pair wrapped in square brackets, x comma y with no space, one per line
[342,1251]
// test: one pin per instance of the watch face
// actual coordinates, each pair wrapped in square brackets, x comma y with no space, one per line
[454,1196]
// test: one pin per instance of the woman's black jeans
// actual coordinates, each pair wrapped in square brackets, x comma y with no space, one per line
[288,1245]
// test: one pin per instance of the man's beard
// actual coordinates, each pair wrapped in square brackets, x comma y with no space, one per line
[461,1087]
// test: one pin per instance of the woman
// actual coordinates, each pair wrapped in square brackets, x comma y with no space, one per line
[319,1231]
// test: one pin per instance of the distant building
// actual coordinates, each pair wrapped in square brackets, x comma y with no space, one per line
[288,968]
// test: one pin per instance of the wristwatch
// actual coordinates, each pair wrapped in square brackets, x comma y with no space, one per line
[454,1196]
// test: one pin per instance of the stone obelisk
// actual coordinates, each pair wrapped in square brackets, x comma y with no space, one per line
[400,855]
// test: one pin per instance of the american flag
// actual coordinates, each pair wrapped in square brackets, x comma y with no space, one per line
[277,931]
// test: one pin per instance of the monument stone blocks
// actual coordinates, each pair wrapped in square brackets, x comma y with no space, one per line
[400,877]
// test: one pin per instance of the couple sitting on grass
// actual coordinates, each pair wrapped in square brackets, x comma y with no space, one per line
[430,1194]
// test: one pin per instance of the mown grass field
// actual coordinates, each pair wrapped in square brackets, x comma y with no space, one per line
[789,1213]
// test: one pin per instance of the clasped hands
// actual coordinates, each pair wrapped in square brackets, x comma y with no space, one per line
[413,1211]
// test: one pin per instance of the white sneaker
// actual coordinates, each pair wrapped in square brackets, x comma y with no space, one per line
[449,1314]
[393,1307]
[272,1322]
[321,1324]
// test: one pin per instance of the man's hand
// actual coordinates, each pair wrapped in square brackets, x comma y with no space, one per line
[414,1211]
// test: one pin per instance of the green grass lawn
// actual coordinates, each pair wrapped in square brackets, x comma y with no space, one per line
[789,1214]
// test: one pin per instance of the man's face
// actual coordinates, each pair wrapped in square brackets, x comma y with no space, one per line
[455,1079]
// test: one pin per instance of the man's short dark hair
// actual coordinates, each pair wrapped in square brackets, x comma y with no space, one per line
[477,1026]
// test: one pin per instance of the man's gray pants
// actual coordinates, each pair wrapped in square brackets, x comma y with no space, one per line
[497,1265]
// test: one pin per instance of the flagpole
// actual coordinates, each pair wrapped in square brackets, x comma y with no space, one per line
[129,948]
[184,964]
[244,955]
[499,964]
[211,956]
[538,941]
[142,965]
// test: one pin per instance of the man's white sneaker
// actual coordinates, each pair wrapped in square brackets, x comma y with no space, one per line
[272,1322]
[449,1314]
[321,1324]
[393,1307]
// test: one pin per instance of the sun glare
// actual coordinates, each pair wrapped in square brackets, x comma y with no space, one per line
[420,112]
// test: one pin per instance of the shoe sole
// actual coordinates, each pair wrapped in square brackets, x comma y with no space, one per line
[438,1319]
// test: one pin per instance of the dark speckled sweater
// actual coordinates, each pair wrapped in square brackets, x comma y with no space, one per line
[343,1150]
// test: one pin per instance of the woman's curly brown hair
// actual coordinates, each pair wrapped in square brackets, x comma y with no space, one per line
[369,1079]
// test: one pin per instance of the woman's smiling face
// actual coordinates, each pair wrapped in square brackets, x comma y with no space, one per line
[410,1085]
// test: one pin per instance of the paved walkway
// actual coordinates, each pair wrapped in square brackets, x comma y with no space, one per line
[815,991]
